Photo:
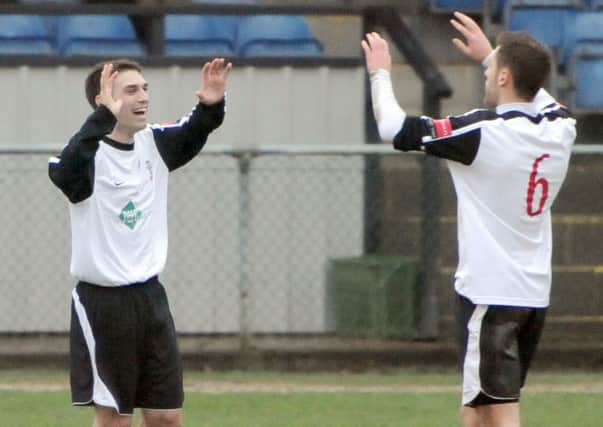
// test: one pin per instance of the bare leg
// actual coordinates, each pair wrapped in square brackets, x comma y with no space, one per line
[501,415]
[108,417]
[470,417]
[160,418]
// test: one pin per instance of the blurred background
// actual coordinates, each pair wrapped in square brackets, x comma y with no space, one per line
[296,239]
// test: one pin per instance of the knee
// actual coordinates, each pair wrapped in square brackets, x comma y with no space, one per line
[108,417]
[163,419]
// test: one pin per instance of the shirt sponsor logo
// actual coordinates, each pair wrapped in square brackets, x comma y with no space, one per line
[130,215]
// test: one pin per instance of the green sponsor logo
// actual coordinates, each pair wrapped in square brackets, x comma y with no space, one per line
[130,215]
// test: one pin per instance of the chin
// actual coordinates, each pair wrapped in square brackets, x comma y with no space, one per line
[140,126]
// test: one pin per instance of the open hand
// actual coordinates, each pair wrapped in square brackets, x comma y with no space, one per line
[477,46]
[107,78]
[215,74]
[376,53]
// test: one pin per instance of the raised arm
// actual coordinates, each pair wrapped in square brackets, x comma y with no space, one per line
[388,114]
[73,170]
[435,137]
[180,142]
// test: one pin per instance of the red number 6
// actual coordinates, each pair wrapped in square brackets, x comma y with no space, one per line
[532,184]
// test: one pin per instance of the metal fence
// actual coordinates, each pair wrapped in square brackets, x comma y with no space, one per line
[254,234]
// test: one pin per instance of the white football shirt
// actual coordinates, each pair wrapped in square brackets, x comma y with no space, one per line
[507,167]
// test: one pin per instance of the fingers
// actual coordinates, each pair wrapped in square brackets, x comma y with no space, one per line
[217,67]
[461,46]
[107,78]
[465,25]
[205,69]
[365,47]
[461,28]
[374,41]
[467,21]
[226,70]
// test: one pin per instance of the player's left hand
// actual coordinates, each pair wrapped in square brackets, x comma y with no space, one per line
[477,45]
[376,53]
[215,74]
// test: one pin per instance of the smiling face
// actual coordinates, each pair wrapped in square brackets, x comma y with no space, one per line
[133,90]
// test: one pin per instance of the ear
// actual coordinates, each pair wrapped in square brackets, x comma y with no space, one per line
[97,99]
[504,77]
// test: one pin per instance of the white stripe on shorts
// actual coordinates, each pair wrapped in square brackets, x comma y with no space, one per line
[471,379]
[100,393]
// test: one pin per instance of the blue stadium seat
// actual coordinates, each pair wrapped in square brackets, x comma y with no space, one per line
[587,73]
[50,1]
[550,3]
[547,24]
[24,34]
[225,1]
[583,50]
[105,35]
[584,31]
[276,35]
[469,6]
[460,5]
[196,35]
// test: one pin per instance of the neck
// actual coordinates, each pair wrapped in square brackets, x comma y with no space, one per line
[510,97]
[122,135]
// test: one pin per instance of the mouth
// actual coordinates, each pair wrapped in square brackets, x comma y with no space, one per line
[140,112]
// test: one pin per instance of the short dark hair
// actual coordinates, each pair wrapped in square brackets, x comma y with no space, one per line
[528,60]
[93,78]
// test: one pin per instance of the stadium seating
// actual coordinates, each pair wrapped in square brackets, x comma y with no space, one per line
[462,5]
[105,35]
[468,6]
[24,34]
[550,3]
[547,23]
[196,35]
[583,50]
[225,1]
[586,28]
[587,74]
[276,35]
[50,1]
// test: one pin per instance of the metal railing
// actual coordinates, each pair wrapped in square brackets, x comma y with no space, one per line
[254,231]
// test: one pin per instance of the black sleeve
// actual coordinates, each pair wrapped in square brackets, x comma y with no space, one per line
[73,170]
[180,143]
[454,138]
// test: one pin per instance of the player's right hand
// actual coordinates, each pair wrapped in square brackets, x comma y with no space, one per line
[376,53]
[107,78]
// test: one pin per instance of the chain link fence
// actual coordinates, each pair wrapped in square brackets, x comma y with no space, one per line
[257,236]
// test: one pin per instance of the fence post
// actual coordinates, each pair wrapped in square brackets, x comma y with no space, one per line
[244,162]
[429,316]
[373,175]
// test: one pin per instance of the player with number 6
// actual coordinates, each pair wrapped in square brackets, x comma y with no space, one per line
[507,163]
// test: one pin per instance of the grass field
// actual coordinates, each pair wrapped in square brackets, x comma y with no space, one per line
[30,398]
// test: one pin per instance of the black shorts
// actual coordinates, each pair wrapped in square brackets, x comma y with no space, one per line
[497,345]
[124,352]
